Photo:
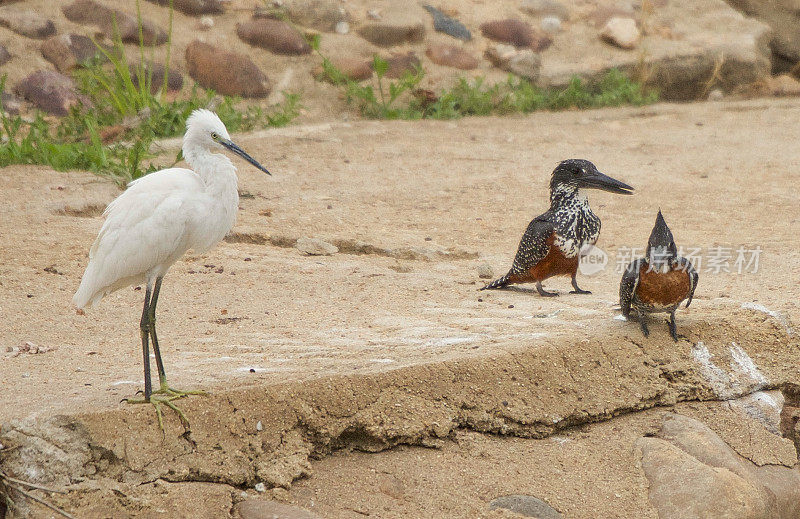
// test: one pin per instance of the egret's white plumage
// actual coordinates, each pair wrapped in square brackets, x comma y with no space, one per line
[154,222]
[162,215]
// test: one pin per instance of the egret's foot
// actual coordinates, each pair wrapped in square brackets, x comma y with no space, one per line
[164,397]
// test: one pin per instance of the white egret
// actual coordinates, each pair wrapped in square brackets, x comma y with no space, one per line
[154,222]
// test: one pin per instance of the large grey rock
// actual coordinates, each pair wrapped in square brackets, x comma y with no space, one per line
[783,16]
[226,72]
[715,47]
[27,22]
[692,472]
[88,12]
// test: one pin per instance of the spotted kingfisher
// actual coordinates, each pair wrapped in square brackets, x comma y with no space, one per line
[552,243]
[660,281]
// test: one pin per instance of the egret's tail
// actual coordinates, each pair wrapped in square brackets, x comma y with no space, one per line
[498,283]
[88,293]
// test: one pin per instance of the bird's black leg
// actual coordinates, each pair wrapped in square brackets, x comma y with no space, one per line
[543,292]
[162,375]
[578,289]
[643,324]
[673,330]
[144,329]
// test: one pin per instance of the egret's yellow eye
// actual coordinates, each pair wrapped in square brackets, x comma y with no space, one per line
[214,135]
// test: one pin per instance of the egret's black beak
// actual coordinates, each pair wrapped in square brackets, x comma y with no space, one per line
[596,180]
[239,151]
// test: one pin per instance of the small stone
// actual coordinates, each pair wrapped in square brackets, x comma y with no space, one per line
[226,72]
[156,72]
[260,487]
[447,25]
[354,68]
[551,24]
[512,31]
[716,95]
[527,506]
[621,32]
[451,56]
[11,104]
[206,23]
[603,13]
[262,509]
[67,51]
[4,55]
[399,64]
[322,15]
[522,62]
[395,27]
[274,35]
[545,8]
[373,14]
[26,375]
[485,271]
[392,486]
[259,426]
[88,12]
[315,247]
[51,91]
[193,7]
[342,28]
[27,23]
[784,85]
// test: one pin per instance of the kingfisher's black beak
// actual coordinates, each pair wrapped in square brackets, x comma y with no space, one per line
[596,180]
[239,151]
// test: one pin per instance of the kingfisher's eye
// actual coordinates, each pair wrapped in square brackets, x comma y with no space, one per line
[214,135]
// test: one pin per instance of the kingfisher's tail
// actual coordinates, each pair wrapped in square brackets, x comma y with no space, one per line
[498,283]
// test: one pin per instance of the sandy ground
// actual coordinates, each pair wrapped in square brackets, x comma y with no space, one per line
[435,200]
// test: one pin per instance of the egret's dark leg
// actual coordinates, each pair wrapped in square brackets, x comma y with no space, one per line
[144,328]
[162,376]
[673,330]
[578,289]
[543,292]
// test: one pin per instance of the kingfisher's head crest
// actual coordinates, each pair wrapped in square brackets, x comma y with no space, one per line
[573,174]
[661,245]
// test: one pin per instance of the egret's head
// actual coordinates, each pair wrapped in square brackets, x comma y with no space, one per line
[574,174]
[205,131]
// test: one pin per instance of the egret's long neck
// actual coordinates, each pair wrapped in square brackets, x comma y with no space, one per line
[218,174]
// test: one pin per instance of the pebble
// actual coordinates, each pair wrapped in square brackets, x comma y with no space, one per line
[12,104]
[551,24]
[259,426]
[194,7]
[260,487]
[67,51]
[394,28]
[373,14]
[315,247]
[621,32]
[27,23]
[716,95]
[485,271]
[206,22]
[322,15]
[451,56]
[88,12]
[522,62]
[342,28]
[51,91]
[545,8]
[512,31]
[274,35]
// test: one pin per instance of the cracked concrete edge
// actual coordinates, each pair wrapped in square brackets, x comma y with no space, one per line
[528,392]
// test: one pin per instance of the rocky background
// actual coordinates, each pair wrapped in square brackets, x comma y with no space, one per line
[687,49]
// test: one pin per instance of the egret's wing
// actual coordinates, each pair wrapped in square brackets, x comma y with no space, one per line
[146,226]
[533,246]
[628,284]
